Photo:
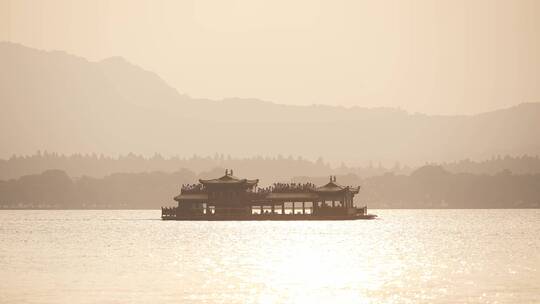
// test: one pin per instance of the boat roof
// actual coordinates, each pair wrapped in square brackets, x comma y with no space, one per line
[228,178]
[333,187]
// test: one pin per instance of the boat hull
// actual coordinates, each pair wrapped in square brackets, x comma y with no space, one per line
[273,217]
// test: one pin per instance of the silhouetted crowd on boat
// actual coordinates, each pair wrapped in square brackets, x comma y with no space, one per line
[192,188]
[287,188]
[276,187]
[293,187]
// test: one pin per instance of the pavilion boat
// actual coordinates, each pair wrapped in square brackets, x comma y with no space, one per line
[233,198]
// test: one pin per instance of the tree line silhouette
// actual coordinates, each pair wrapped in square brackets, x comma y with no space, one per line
[266,168]
[427,187]
[263,167]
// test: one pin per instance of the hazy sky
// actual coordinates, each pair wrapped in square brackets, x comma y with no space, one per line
[451,56]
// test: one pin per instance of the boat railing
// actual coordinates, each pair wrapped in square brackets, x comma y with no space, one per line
[361,210]
[168,212]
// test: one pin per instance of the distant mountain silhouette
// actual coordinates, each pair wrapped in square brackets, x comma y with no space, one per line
[59,102]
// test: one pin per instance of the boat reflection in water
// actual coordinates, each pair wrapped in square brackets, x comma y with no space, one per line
[233,198]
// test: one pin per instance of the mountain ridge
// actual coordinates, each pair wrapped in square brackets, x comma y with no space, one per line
[59,102]
[122,60]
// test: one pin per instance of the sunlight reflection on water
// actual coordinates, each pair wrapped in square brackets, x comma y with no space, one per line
[407,256]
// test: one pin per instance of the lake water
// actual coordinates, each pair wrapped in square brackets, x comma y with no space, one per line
[407,256]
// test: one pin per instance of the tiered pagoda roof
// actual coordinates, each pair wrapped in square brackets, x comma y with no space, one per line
[334,187]
[229,178]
